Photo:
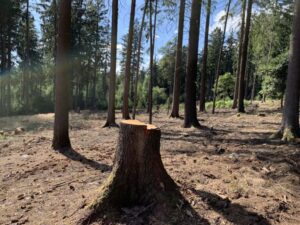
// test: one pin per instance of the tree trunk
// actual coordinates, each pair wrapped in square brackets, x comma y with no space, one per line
[290,120]
[253,87]
[138,60]
[96,63]
[237,80]
[55,41]
[87,89]
[27,70]
[152,44]
[61,122]
[241,96]
[204,60]
[190,109]
[178,63]
[112,83]
[3,52]
[9,64]
[217,75]
[138,172]
[125,110]
[247,78]
[3,70]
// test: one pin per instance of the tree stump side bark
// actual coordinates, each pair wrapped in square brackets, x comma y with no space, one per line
[138,176]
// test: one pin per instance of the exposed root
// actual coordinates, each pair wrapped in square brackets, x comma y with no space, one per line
[195,123]
[288,135]
[109,124]
[164,206]
[176,116]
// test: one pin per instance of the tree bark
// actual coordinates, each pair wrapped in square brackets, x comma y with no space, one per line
[27,63]
[236,87]
[3,69]
[290,120]
[96,63]
[111,120]
[138,60]
[152,44]
[178,63]
[55,41]
[241,95]
[9,65]
[217,75]
[253,87]
[190,109]
[204,60]
[138,172]
[125,110]
[61,122]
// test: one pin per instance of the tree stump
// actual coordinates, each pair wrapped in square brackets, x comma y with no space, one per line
[138,176]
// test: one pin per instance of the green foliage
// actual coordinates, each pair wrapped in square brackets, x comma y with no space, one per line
[165,67]
[119,95]
[159,96]
[226,86]
[223,104]
[273,83]
[270,46]
[213,54]
[27,81]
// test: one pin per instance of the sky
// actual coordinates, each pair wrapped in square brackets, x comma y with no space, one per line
[167,29]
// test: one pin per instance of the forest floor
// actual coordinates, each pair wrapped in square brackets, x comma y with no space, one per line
[229,174]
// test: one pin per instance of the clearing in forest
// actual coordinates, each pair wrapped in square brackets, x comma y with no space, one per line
[229,172]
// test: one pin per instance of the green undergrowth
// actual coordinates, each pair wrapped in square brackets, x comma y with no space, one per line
[223,104]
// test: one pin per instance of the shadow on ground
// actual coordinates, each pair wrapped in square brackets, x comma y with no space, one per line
[75,156]
[234,213]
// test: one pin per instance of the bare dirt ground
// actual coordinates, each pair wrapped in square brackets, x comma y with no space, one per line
[230,173]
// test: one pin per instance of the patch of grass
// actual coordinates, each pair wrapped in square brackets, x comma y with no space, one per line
[224,104]
[220,104]
[2,137]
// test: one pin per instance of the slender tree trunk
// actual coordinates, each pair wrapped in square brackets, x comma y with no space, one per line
[112,83]
[61,122]
[290,120]
[125,111]
[152,44]
[247,78]
[27,63]
[87,90]
[204,60]
[217,75]
[3,70]
[241,96]
[55,42]
[237,80]
[95,64]
[178,63]
[281,101]
[151,64]
[253,87]
[94,80]
[138,60]
[3,52]
[9,64]
[190,108]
